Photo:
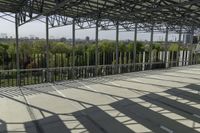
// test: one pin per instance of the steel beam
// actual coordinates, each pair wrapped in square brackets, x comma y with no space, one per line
[117,47]
[17,49]
[30,10]
[135,47]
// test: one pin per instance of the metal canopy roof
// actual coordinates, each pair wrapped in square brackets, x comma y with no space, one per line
[167,12]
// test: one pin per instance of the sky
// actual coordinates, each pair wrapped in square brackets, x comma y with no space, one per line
[37,29]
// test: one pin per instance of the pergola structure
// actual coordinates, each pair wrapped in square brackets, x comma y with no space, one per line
[132,15]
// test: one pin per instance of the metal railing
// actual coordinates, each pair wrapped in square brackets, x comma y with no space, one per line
[42,75]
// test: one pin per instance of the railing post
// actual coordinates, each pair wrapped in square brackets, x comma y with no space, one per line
[143,62]
[181,58]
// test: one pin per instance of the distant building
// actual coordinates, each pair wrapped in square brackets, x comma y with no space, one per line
[63,39]
[3,35]
[187,38]
[32,37]
[87,38]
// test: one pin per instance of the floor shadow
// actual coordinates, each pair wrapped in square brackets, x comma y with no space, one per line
[187,111]
[3,127]
[98,121]
[151,119]
[52,124]
[193,87]
[179,75]
[166,80]
[184,94]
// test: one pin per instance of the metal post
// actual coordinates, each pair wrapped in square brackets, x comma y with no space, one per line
[151,43]
[47,49]
[179,42]
[180,36]
[97,47]
[135,48]
[117,47]
[17,48]
[192,46]
[166,44]
[73,48]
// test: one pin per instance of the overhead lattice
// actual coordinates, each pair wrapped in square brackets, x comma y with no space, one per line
[185,13]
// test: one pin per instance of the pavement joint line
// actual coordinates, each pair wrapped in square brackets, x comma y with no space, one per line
[166,129]
[115,84]
[88,87]
[61,94]
[118,85]
[83,113]
[94,90]
[31,113]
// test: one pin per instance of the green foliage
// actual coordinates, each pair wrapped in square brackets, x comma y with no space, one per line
[90,48]
[25,49]
[59,47]
[11,50]
[122,47]
[79,49]
[174,47]
[106,46]
[157,47]
[130,47]
[1,50]
[39,47]
[140,47]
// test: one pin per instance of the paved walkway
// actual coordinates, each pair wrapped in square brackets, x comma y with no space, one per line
[161,101]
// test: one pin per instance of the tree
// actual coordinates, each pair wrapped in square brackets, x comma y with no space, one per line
[59,47]
[122,51]
[106,47]
[39,47]
[130,49]
[174,47]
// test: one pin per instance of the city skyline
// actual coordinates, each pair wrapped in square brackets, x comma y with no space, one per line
[37,29]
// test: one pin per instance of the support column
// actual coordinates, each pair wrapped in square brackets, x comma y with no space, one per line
[73,48]
[117,47]
[135,47]
[179,43]
[17,49]
[97,47]
[47,50]
[151,45]
[166,46]
[190,53]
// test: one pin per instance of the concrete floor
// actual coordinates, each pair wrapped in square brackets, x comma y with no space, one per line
[161,101]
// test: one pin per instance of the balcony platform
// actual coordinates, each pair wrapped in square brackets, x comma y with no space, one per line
[161,101]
